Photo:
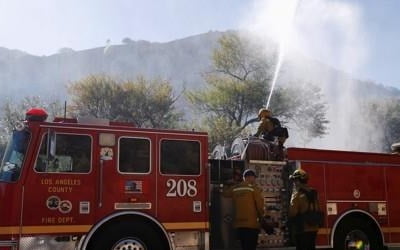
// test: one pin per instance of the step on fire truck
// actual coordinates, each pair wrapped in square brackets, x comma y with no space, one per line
[95,184]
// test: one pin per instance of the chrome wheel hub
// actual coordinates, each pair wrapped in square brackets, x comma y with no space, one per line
[357,240]
[129,244]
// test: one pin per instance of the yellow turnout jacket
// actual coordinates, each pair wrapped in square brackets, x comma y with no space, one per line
[247,200]
[299,204]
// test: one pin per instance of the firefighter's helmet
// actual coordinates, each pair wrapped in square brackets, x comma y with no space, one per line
[263,112]
[299,174]
[249,172]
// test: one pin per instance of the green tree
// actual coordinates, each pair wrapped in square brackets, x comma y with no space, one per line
[127,40]
[392,123]
[305,109]
[152,103]
[96,95]
[239,85]
[235,89]
[383,117]
[146,103]
[2,147]
[14,111]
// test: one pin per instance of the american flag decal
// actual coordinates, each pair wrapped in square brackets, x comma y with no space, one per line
[134,187]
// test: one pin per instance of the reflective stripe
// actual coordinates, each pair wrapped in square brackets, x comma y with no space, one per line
[45,229]
[324,230]
[396,230]
[85,228]
[391,230]
[186,225]
[243,188]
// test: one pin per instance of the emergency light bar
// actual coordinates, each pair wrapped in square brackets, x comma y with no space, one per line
[36,114]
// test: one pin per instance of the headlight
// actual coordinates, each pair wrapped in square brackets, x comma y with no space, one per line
[19,126]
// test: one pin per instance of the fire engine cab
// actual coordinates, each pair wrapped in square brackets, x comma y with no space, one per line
[96,184]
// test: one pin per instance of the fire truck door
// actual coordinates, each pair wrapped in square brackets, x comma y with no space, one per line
[182,185]
[127,175]
[57,196]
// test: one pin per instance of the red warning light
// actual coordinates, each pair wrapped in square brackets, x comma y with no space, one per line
[36,114]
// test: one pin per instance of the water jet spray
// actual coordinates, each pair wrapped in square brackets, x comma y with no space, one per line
[284,37]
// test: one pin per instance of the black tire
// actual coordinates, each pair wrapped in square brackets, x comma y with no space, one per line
[142,236]
[356,229]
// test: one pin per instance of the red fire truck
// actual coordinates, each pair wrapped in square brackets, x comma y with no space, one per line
[95,184]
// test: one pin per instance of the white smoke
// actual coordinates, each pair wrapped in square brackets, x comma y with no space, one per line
[318,35]
[107,47]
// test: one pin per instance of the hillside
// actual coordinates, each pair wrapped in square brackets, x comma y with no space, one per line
[180,61]
[183,62]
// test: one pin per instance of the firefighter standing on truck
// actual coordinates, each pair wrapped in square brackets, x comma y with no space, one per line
[266,125]
[303,199]
[270,128]
[248,203]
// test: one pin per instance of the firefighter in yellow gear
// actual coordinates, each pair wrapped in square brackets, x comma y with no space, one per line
[248,203]
[305,234]
[270,127]
[265,126]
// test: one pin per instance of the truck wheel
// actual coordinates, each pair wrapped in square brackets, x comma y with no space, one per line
[126,236]
[356,234]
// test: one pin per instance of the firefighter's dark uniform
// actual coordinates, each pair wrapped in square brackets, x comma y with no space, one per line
[264,128]
[247,200]
[306,235]
[270,127]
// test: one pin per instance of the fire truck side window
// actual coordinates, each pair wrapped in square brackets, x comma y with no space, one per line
[134,155]
[180,157]
[72,154]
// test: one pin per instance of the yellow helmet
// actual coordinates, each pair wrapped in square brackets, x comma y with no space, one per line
[299,174]
[264,112]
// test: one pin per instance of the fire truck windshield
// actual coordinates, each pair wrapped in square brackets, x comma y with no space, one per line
[14,156]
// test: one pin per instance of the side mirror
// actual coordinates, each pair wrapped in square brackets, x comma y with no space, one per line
[51,145]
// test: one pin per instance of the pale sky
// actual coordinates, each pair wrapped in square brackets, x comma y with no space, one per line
[42,27]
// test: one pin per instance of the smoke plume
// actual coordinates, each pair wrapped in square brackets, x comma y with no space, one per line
[316,36]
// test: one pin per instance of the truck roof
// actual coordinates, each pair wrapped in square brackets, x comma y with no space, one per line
[109,125]
[324,155]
